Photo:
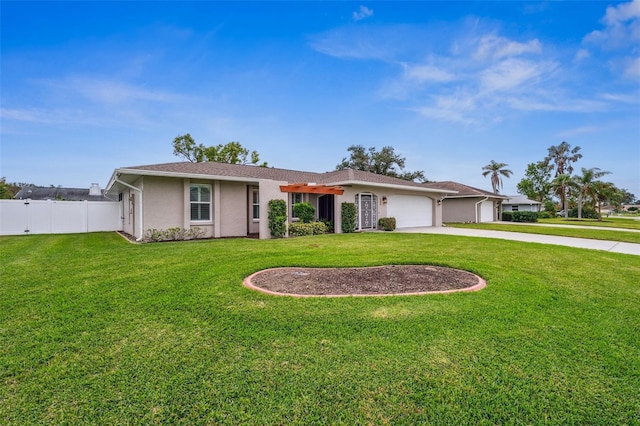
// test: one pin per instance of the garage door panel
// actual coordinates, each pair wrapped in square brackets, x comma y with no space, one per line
[410,210]
[486,211]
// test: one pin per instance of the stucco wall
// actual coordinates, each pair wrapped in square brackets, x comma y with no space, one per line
[459,209]
[233,209]
[163,203]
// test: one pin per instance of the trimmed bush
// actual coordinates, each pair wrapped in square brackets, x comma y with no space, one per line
[525,217]
[587,213]
[348,217]
[520,216]
[300,229]
[387,223]
[304,211]
[278,218]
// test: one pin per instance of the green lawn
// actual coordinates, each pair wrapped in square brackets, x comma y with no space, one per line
[596,234]
[611,222]
[96,330]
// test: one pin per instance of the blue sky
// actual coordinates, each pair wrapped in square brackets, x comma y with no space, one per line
[91,86]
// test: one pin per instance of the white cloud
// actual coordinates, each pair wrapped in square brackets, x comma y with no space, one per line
[622,13]
[571,133]
[426,73]
[620,97]
[469,73]
[621,27]
[362,13]
[582,54]
[494,47]
[632,68]
[513,74]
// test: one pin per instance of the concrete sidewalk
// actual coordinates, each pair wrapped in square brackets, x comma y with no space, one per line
[612,246]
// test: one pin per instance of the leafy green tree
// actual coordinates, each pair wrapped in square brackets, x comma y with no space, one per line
[562,157]
[536,184]
[607,192]
[496,170]
[585,184]
[232,152]
[5,190]
[627,197]
[384,162]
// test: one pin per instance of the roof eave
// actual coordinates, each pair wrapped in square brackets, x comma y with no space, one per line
[394,186]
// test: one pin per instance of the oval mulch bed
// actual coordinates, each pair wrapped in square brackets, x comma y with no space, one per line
[367,281]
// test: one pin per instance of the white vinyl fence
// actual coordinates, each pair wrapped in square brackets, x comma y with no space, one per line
[23,217]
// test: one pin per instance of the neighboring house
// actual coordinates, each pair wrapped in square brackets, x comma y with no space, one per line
[230,200]
[520,203]
[468,204]
[94,193]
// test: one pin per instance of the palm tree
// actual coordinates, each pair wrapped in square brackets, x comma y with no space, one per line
[562,156]
[605,191]
[560,185]
[496,170]
[586,185]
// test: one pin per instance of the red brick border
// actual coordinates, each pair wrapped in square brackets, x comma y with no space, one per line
[247,283]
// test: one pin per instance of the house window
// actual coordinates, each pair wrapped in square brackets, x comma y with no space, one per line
[296,197]
[514,208]
[256,204]
[200,197]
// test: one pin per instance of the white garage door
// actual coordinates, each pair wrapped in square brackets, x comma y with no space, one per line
[486,211]
[410,210]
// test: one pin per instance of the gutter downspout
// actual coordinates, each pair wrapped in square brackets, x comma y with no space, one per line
[485,199]
[140,209]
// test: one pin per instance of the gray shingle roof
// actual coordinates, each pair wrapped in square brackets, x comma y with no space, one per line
[463,190]
[62,194]
[336,177]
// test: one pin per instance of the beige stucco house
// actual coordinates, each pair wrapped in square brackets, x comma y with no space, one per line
[231,200]
[468,204]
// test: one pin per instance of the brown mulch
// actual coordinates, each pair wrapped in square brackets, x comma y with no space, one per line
[379,280]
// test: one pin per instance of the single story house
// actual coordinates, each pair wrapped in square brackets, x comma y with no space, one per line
[231,200]
[520,203]
[466,204]
[93,193]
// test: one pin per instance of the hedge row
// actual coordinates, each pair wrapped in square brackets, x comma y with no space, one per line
[519,216]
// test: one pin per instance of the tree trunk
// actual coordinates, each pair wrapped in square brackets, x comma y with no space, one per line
[580,205]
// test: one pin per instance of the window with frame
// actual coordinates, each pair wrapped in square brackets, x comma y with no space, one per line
[296,197]
[514,208]
[200,198]
[256,204]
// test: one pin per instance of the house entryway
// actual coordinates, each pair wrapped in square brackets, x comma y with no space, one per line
[367,211]
[326,209]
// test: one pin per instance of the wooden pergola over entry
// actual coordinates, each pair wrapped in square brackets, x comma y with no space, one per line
[306,188]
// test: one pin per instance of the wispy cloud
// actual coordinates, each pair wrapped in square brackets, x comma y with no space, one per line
[105,90]
[571,133]
[621,33]
[470,72]
[362,13]
[495,47]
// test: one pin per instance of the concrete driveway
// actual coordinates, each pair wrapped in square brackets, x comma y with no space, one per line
[612,246]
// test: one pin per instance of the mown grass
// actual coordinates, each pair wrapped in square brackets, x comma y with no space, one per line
[96,330]
[596,234]
[611,222]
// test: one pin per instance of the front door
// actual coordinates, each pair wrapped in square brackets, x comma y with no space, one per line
[367,211]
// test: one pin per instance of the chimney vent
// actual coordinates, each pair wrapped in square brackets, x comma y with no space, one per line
[95,189]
